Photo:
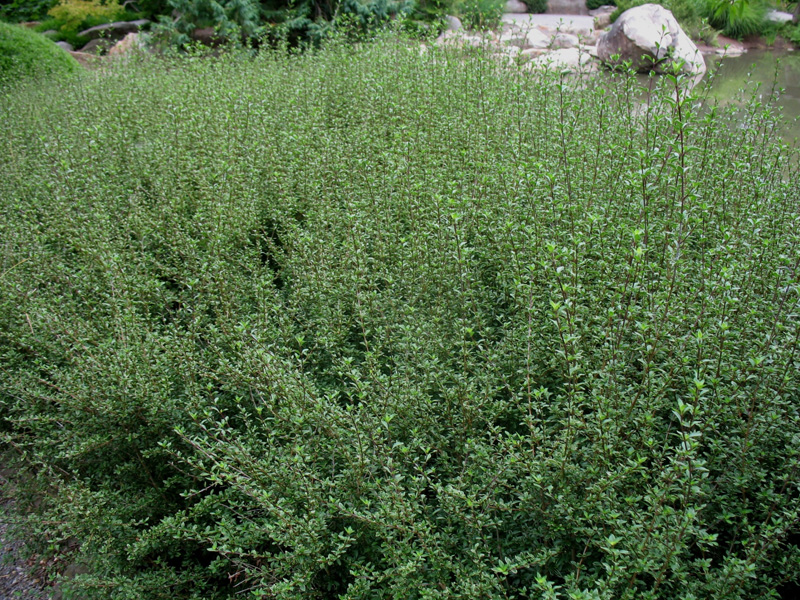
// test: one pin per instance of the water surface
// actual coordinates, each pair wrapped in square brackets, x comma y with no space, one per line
[760,71]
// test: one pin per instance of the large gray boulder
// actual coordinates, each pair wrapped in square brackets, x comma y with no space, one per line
[115,31]
[650,38]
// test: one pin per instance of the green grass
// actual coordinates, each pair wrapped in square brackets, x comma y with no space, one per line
[373,322]
[25,54]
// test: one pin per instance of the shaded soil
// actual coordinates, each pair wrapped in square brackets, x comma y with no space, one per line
[19,578]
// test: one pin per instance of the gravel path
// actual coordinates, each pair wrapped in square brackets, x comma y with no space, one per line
[17,582]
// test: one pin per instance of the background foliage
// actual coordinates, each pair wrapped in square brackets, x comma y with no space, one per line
[536,6]
[72,14]
[481,14]
[371,322]
[17,11]
[737,18]
[593,4]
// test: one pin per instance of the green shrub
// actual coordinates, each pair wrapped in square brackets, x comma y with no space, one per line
[536,6]
[151,9]
[231,19]
[481,14]
[299,22]
[736,18]
[594,4]
[72,23]
[25,54]
[74,13]
[791,32]
[18,11]
[376,322]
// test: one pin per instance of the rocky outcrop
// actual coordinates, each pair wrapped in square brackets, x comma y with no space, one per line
[564,40]
[97,46]
[568,60]
[536,38]
[90,61]
[602,16]
[567,7]
[650,39]
[127,44]
[115,31]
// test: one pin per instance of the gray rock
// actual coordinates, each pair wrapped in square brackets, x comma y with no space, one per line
[537,38]
[567,7]
[50,33]
[533,52]
[602,16]
[778,16]
[567,60]
[514,38]
[208,36]
[582,26]
[115,31]
[650,38]
[97,46]
[516,7]
[564,40]
[66,46]
[89,61]
[453,23]
[127,44]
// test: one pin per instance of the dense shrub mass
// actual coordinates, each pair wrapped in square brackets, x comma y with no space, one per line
[383,323]
[17,11]
[26,54]
[536,6]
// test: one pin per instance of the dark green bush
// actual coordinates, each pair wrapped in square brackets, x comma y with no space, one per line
[377,322]
[536,6]
[231,19]
[18,11]
[25,54]
[298,22]
[593,4]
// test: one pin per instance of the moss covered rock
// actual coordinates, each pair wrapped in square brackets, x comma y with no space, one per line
[27,54]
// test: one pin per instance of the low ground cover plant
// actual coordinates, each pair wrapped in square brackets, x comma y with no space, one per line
[376,322]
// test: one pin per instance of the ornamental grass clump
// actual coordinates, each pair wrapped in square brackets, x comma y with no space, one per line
[371,322]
